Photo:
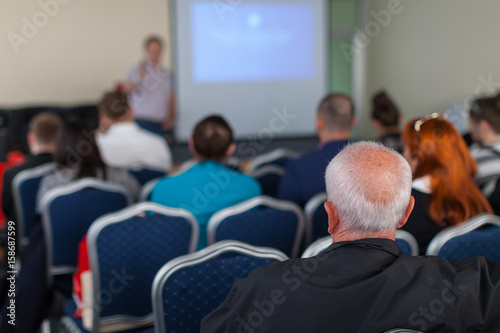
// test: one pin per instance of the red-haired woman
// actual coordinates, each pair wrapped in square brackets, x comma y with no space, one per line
[443,186]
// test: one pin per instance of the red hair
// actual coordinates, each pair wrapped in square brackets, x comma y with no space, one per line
[443,155]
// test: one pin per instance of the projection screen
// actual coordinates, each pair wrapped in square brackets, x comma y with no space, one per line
[260,64]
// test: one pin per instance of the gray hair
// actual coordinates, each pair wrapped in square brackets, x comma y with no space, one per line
[370,186]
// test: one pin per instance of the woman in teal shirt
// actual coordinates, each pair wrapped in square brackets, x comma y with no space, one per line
[208,186]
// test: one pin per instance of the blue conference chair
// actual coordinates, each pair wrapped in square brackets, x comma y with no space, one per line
[188,288]
[269,178]
[260,221]
[278,157]
[478,236]
[145,175]
[134,242]
[316,218]
[67,213]
[406,242]
[145,193]
[24,193]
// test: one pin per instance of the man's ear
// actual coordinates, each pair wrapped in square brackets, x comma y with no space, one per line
[354,121]
[102,117]
[191,146]
[31,138]
[320,123]
[407,213]
[231,149]
[377,125]
[484,126]
[333,217]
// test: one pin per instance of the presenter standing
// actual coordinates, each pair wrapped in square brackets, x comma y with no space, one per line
[150,91]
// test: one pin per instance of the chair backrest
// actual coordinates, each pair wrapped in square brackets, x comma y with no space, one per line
[67,213]
[316,218]
[24,194]
[144,175]
[278,157]
[269,178]
[188,288]
[134,243]
[406,242]
[478,236]
[260,221]
[317,247]
[145,193]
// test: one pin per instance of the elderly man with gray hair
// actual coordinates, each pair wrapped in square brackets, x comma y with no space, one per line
[363,282]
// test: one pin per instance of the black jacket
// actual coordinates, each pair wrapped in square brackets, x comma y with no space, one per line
[363,286]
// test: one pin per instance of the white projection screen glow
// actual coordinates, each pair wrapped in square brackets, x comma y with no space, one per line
[260,64]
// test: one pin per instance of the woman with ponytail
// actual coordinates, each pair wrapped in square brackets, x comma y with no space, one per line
[443,172]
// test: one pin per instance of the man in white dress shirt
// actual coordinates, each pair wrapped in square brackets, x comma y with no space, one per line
[122,143]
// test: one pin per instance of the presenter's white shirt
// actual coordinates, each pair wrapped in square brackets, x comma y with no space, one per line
[126,145]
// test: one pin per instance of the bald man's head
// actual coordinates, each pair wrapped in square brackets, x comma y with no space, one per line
[337,112]
[370,186]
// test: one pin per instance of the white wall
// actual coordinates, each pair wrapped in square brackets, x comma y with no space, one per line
[79,52]
[434,53]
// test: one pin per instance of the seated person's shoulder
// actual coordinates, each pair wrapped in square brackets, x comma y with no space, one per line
[303,160]
[244,180]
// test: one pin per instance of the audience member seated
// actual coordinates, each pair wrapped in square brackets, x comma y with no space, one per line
[209,185]
[123,143]
[385,119]
[77,156]
[485,132]
[443,170]
[303,177]
[362,282]
[42,134]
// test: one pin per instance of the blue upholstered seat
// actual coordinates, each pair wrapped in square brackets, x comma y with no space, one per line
[260,221]
[145,194]
[407,243]
[478,236]
[277,157]
[24,193]
[126,250]
[188,288]
[67,213]
[316,218]
[135,243]
[269,178]
[144,176]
